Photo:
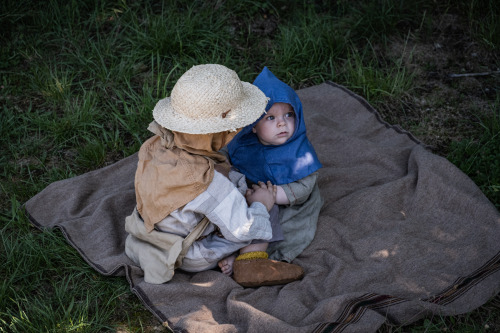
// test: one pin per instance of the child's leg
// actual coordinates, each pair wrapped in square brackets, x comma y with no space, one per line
[226,264]
[254,247]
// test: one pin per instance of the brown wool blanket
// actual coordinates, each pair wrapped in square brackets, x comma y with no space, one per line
[402,234]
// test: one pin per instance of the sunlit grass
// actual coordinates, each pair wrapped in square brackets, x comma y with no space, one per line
[369,79]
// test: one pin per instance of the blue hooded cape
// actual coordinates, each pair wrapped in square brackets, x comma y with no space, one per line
[282,164]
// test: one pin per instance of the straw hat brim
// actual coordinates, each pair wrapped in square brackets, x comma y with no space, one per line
[251,107]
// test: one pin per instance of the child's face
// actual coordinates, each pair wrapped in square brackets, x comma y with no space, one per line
[277,126]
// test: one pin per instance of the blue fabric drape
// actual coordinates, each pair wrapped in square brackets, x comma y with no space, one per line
[282,164]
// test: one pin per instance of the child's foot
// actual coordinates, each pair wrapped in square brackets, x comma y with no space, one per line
[226,265]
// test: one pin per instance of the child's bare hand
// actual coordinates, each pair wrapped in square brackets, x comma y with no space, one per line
[263,193]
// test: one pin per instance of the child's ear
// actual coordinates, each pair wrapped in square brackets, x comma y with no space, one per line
[254,130]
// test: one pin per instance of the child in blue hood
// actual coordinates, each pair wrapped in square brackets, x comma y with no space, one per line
[275,148]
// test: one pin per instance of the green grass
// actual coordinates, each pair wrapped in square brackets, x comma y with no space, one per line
[479,158]
[46,285]
[78,81]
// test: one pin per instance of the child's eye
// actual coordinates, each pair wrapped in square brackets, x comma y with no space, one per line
[290,114]
[270,117]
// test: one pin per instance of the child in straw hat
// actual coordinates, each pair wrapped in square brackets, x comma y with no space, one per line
[275,148]
[190,214]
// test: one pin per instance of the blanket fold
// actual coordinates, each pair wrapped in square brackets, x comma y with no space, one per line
[402,234]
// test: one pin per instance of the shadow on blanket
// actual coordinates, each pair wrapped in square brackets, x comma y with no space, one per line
[402,234]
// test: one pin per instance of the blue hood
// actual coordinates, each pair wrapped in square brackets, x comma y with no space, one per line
[282,164]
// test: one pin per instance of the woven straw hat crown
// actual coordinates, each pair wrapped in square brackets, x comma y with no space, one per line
[210,99]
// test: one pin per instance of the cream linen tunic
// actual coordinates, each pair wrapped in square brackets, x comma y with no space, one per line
[225,206]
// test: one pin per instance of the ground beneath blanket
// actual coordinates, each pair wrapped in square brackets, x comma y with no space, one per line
[444,108]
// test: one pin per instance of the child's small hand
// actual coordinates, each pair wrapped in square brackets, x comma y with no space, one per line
[263,193]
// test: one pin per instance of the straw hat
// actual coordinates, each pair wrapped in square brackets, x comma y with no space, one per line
[210,99]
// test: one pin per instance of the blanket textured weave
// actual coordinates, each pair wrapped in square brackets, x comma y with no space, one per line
[402,234]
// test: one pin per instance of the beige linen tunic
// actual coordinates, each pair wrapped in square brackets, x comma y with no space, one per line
[225,207]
